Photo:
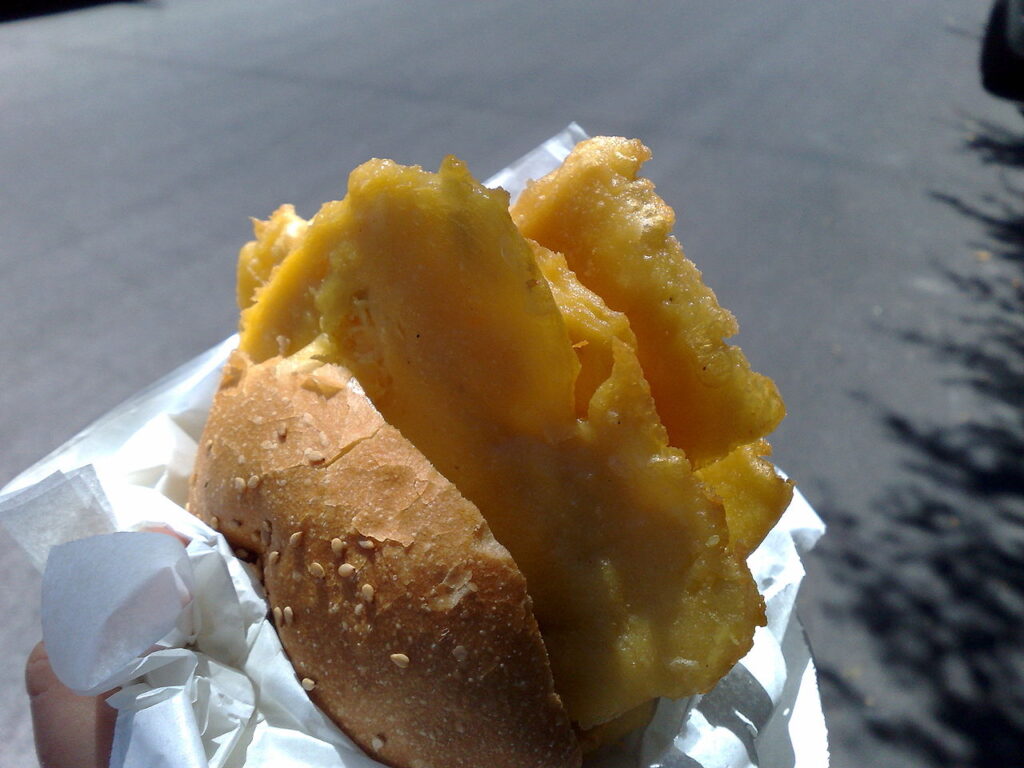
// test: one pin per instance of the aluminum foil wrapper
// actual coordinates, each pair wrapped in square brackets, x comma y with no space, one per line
[182,629]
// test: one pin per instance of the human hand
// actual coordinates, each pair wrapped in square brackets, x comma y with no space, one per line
[71,731]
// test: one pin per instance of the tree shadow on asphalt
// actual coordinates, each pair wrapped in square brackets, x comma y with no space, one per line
[942,592]
[13,10]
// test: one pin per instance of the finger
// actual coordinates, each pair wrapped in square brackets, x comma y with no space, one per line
[71,731]
[166,529]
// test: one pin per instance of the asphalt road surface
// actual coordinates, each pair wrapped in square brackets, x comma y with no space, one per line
[841,179]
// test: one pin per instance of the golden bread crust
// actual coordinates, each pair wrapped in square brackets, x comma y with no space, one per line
[404,617]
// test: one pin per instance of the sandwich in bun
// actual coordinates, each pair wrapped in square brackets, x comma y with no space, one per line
[499,471]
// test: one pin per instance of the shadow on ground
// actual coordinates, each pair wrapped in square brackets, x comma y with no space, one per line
[13,10]
[940,585]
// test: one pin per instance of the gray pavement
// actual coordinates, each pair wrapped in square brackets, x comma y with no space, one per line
[842,181]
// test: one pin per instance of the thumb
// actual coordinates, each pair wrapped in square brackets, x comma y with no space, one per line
[71,731]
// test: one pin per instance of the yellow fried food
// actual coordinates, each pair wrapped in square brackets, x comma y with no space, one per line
[525,390]
[753,493]
[275,239]
[616,234]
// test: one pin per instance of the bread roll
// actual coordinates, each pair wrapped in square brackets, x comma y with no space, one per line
[409,624]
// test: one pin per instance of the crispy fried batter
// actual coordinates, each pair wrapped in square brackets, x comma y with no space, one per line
[616,234]
[275,239]
[524,389]
[753,493]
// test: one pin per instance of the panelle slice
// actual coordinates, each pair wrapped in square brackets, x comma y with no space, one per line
[616,234]
[525,390]
[275,239]
[753,493]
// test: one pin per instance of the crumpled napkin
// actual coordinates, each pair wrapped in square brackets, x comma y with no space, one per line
[182,629]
